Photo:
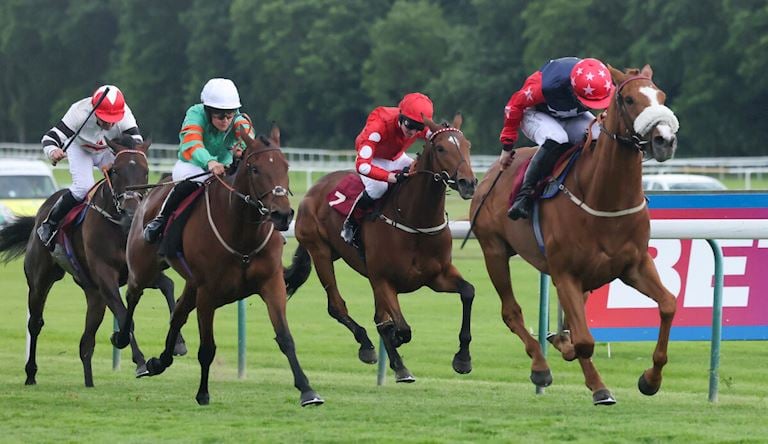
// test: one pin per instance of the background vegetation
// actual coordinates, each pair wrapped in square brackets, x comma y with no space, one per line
[319,66]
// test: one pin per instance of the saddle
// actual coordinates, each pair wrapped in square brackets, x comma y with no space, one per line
[171,242]
[545,188]
[62,251]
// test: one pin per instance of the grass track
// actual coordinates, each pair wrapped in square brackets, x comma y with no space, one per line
[495,403]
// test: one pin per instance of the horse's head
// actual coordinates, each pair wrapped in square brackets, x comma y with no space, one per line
[130,167]
[447,153]
[644,121]
[265,170]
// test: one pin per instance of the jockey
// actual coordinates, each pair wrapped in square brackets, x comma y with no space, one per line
[552,109]
[381,147]
[209,137]
[90,127]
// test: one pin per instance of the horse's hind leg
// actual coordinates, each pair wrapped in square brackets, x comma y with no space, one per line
[497,263]
[94,315]
[274,295]
[184,306]
[165,285]
[337,308]
[645,279]
[452,281]
[41,273]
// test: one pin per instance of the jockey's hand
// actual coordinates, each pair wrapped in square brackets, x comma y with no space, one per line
[505,159]
[237,152]
[56,155]
[215,167]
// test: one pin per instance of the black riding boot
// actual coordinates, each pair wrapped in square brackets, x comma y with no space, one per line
[351,227]
[155,227]
[50,225]
[541,164]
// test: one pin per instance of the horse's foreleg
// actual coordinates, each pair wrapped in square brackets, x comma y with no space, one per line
[184,306]
[497,263]
[165,285]
[337,308]
[93,318]
[452,281]
[645,279]
[274,295]
[387,324]
[207,350]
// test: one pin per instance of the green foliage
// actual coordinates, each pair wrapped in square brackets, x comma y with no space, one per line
[319,66]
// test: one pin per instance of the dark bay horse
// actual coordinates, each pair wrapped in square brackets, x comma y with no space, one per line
[594,231]
[406,248]
[231,251]
[98,248]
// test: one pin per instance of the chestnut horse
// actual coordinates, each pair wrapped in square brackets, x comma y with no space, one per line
[98,248]
[407,247]
[594,231]
[231,251]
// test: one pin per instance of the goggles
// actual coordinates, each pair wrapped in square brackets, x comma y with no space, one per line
[411,124]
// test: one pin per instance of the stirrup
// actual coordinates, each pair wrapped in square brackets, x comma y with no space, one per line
[46,232]
[348,232]
[153,229]
[520,208]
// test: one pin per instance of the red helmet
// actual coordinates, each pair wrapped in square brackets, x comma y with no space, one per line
[414,105]
[592,83]
[112,108]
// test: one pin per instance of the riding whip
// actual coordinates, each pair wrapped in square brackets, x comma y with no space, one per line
[72,139]
[162,184]
[482,201]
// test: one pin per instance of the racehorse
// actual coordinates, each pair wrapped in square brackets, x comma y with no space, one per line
[230,251]
[407,247]
[98,255]
[596,229]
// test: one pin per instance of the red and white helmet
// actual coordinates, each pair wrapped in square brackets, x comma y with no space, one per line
[414,105]
[112,108]
[592,83]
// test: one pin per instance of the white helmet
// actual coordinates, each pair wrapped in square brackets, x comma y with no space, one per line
[221,94]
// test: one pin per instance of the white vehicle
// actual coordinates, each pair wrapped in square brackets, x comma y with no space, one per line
[681,182]
[24,186]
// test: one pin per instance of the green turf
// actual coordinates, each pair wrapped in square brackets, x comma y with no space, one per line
[494,403]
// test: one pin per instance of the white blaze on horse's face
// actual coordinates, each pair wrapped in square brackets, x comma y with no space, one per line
[455,141]
[662,121]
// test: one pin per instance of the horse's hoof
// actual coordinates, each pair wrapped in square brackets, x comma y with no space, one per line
[645,387]
[603,397]
[154,367]
[367,355]
[141,370]
[180,349]
[30,381]
[462,366]
[541,378]
[404,375]
[203,398]
[311,398]
[117,342]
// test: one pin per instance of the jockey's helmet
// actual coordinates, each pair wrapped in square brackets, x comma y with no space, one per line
[592,83]
[220,94]
[414,105]
[112,108]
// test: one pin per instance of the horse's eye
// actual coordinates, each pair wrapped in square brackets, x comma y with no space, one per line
[254,170]
[440,149]
[629,100]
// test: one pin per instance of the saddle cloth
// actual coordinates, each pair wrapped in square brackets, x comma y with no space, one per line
[343,197]
[558,175]
[171,243]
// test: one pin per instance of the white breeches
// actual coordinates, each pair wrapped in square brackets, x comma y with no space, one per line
[539,126]
[81,163]
[182,170]
[377,188]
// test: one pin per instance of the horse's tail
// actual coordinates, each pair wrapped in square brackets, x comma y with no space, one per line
[298,273]
[14,237]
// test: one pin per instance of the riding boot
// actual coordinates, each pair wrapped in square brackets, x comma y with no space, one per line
[541,164]
[50,225]
[351,228]
[155,227]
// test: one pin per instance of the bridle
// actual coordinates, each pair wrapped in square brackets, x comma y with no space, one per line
[631,138]
[118,199]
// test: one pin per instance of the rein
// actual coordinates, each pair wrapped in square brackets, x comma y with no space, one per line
[632,138]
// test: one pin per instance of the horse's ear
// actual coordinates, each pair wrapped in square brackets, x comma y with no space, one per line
[274,133]
[145,145]
[616,75]
[249,142]
[647,71]
[430,123]
[458,119]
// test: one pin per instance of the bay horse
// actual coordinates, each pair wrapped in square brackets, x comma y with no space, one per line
[231,250]
[407,247]
[98,251]
[594,231]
